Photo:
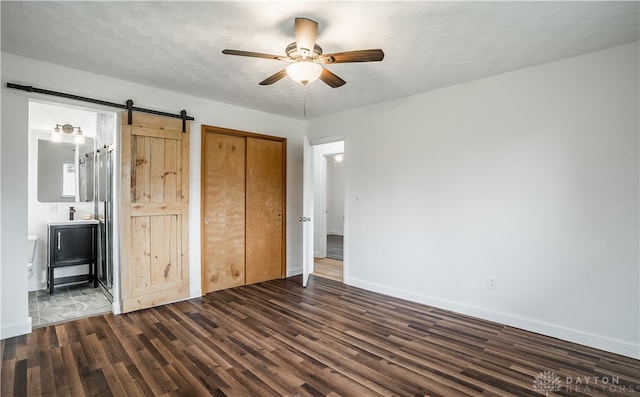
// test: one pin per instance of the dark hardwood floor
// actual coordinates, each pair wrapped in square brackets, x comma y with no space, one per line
[335,247]
[278,339]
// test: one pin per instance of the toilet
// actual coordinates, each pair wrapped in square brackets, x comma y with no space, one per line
[31,252]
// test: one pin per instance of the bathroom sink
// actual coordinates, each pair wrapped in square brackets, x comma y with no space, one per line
[74,222]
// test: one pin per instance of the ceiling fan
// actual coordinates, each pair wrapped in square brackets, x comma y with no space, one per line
[306,59]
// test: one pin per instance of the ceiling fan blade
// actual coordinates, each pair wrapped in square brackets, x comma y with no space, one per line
[353,56]
[306,31]
[253,54]
[274,77]
[331,79]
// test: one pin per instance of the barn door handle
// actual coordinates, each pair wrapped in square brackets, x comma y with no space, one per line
[206,220]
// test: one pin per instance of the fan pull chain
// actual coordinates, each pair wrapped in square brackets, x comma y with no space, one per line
[304,112]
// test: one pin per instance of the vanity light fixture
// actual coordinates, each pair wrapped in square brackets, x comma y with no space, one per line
[67,129]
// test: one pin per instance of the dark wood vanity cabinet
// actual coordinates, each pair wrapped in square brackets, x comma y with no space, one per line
[72,245]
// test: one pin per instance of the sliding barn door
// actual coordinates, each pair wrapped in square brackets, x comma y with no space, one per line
[154,211]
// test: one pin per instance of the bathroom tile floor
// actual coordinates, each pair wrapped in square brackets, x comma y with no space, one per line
[67,303]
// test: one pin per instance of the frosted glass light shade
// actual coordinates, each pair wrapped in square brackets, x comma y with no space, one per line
[79,139]
[56,135]
[304,72]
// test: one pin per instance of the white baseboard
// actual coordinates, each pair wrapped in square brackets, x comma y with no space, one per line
[571,335]
[195,293]
[9,331]
[37,285]
[294,272]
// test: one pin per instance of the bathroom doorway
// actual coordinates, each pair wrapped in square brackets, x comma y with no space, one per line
[329,210]
[79,142]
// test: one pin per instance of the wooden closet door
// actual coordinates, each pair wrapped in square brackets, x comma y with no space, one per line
[265,206]
[223,202]
[154,211]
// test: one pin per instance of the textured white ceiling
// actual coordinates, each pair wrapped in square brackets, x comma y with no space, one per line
[177,45]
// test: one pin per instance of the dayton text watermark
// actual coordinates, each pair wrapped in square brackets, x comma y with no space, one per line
[549,381]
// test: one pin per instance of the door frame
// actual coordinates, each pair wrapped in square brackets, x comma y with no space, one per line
[320,148]
[115,129]
[204,129]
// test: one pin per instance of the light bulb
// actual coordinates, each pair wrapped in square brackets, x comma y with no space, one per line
[79,139]
[56,135]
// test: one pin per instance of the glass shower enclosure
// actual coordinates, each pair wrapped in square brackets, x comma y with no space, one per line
[105,217]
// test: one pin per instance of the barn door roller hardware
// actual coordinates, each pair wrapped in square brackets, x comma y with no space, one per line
[128,106]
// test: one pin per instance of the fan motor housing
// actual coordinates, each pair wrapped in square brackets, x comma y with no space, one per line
[292,51]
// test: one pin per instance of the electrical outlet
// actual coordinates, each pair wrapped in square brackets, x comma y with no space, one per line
[491,283]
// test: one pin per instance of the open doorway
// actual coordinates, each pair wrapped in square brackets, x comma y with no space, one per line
[71,187]
[329,199]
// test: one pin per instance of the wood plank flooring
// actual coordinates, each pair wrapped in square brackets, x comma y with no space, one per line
[328,268]
[279,339]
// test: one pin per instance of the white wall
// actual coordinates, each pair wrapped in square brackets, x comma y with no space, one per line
[319,167]
[320,191]
[14,318]
[531,177]
[335,196]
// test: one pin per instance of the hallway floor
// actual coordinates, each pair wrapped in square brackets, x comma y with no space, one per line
[66,304]
[335,247]
[331,267]
[328,268]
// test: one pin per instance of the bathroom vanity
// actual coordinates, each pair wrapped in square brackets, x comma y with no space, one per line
[72,243]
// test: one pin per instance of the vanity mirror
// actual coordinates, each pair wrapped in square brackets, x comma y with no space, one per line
[66,171]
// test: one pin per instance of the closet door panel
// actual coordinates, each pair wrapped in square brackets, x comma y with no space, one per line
[264,210]
[223,184]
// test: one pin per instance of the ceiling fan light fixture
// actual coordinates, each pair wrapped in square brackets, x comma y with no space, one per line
[304,72]
[306,31]
[305,57]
